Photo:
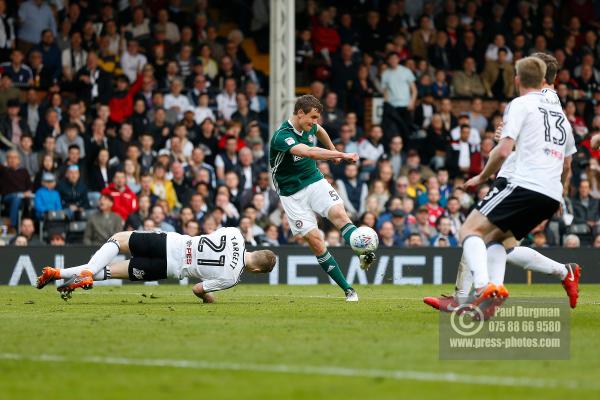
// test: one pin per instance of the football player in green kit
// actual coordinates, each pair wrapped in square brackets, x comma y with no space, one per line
[303,189]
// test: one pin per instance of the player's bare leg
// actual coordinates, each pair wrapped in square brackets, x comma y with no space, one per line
[338,216]
[119,270]
[328,263]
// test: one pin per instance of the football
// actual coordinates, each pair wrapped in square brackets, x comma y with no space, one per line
[364,240]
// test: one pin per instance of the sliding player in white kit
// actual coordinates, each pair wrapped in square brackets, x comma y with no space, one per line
[524,257]
[217,260]
[542,165]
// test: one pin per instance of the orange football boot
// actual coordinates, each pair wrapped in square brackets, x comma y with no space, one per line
[48,275]
[84,280]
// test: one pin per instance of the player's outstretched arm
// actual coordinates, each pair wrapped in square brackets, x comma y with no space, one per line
[318,153]
[324,138]
[198,290]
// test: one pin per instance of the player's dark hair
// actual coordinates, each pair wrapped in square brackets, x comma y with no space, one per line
[307,103]
[551,66]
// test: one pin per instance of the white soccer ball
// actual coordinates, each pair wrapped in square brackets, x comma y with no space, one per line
[364,240]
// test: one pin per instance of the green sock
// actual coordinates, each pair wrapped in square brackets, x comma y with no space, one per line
[329,265]
[347,231]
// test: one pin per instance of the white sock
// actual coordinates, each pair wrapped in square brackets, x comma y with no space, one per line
[67,273]
[530,259]
[103,256]
[464,281]
[496,263]
[101,275]
[475,255]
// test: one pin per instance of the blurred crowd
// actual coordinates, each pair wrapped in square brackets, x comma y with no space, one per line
[152,115]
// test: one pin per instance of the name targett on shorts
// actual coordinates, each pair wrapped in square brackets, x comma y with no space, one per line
[235,257]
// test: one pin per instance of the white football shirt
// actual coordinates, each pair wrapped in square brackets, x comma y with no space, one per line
[543,138]
[508,167]
[216,259]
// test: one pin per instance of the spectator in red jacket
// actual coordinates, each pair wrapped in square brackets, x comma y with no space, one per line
[121,104]
[234,130]
[324,34]
[124,200]
[480,158]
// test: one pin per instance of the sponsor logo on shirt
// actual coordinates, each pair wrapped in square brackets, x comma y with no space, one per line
[554,153]
[290,141]
[188,252]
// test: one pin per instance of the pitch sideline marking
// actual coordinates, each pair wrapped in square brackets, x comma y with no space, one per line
[399,375]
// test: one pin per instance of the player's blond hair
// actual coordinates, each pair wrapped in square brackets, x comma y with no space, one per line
[264,259]
[531,72]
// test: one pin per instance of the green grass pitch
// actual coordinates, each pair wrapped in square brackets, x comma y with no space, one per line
[266,342]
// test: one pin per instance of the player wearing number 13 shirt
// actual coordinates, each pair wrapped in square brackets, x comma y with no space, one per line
[537,126]
[217,260]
